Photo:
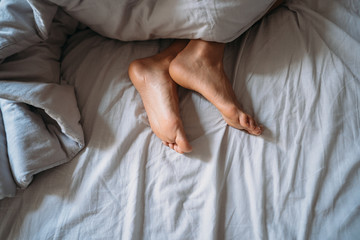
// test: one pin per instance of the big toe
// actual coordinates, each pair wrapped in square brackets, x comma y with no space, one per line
[182,145]
[248,124]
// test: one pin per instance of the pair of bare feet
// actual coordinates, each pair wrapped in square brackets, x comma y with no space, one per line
[196,65]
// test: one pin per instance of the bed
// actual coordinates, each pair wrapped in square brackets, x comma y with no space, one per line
[99,172]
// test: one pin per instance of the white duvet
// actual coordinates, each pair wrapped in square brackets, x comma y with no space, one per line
[297,71]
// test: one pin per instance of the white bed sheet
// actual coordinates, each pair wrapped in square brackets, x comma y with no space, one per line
[297,71]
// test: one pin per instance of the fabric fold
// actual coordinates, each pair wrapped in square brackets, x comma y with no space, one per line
[7,184]
[18,28]
[58,101]
[41,125]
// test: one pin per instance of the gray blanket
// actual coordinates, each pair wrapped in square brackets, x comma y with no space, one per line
[39,118]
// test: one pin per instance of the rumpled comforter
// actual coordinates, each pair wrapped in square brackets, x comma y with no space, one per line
[39,118]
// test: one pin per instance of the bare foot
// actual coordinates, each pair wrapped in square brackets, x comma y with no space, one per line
[199,67]
[158,91]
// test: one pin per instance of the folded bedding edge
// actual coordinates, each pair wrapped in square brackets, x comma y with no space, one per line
[44,116]
[7,183]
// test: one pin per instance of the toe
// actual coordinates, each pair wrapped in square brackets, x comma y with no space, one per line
[245,121]
[182,142]
[178,149]
[256,131]
[250,125]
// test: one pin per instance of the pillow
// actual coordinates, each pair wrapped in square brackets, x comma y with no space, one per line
[220,21]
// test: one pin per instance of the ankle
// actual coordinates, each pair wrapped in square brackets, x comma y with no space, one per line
[211,53]
[204,48]
[164,59]
[172,51]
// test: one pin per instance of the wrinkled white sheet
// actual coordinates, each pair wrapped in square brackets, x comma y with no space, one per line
[296,71]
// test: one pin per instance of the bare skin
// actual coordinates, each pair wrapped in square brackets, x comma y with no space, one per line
[199,67]
[188,65]
[158,91]
[196,65]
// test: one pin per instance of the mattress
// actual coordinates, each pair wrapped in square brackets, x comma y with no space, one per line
[297,70]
